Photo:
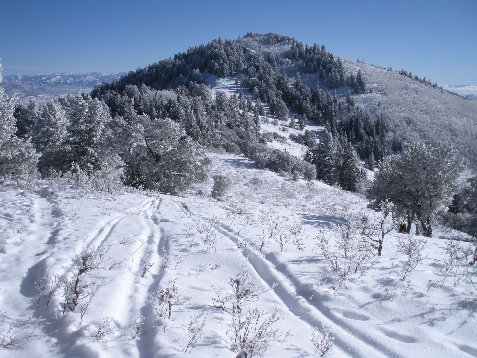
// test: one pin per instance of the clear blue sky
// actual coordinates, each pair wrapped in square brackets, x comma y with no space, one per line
[432,38]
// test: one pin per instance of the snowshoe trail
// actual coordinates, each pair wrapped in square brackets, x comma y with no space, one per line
[155,260]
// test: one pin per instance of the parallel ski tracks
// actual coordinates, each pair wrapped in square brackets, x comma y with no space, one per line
[304,302]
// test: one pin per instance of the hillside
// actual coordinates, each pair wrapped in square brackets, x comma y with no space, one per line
[308,79]
[418,112]
[218,203]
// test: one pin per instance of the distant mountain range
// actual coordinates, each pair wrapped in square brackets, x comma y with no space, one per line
[469,92]
[48,86]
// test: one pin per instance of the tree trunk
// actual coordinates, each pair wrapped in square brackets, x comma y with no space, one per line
[409,223]
[426,227]
[380,246]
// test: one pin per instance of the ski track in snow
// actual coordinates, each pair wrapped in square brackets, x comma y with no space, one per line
[304,302]
[152,225]
[47,247]
[158,249]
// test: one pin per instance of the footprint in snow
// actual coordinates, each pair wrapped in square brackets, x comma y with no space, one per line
[355,315]
[399,337]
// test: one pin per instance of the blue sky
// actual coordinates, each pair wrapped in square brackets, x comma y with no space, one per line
[432,38]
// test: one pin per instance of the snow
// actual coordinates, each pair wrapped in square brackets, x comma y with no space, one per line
[149,249]
[228,85]
[193,245]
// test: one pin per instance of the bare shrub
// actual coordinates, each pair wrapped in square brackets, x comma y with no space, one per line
[412,247]
[80,286]
[46,288]
[103,331]
[459,265]
[250,330]
[323,342]
[8,339]
[15,333]
[208,235]
[376,229]
[137,328]
[146,265]
[195,330]
[348,253]
[165,300]
[278,230]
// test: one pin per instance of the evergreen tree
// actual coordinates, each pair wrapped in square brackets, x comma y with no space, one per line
[48,136]
[163,157]
[349,171]
[17,156]
[360,84]
[84,143]
[324,157]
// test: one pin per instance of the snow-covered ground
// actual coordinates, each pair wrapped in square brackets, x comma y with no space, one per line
[143,251]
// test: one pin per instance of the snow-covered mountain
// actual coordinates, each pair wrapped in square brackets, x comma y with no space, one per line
[44,87]
[270,262]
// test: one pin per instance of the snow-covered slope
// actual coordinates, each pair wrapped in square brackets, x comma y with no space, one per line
[147,250]
[418,112]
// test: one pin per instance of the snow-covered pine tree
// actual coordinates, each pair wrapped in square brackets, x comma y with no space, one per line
[349,172]
[324,156]
[87,120]
[48,136]
[17,156]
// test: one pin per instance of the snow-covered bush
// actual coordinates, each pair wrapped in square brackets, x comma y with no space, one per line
[411,247]
[459,265]
[164,301]
[347,251]
[81,285]
[377,227]
[195,328]
[162,157]
[279,161]
[221,185]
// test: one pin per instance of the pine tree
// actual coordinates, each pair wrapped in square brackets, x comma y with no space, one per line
[349,171]
[360,84]
[324,157]
[48,136]
[17,156]
[87,120]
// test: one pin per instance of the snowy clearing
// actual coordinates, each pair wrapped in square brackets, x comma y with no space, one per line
[159,271]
